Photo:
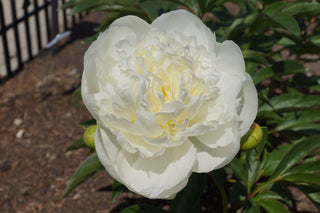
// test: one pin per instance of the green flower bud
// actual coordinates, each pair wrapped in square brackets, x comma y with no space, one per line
[253,137]
[88,136]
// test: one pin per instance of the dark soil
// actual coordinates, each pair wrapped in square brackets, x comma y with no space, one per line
[38,122]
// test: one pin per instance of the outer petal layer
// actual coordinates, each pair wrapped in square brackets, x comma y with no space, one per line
[156,177]
[187,24]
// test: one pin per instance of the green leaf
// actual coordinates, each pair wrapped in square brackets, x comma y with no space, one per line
[86,5]
[312,192]
[286,42]
[262,43]
[192,5]
[239,171]
[315,39]
[152,7]
[253,208]
[117,189]
[142,209]
[187,198]
[308,9]
[272,206]
[208,5]
[291,102]
[91,39]
[269,117]
[253,167]
[302,177]
[88,123]
[86,169]
[283,191]
[296,153]
[285,21]
[275,7]
[268,195]
[108,20]
[76,145]
[254,56]
[76,95]
[274,158]
[315,198]
[311,127]
[218,177]
[294,121]
[278,69]
[238,194]
[262,74]
[235,25]
[307,168]
[70,4]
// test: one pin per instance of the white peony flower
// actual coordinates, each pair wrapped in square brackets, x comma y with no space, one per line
[168,99]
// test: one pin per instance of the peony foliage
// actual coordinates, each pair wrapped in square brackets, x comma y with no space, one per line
[173,91]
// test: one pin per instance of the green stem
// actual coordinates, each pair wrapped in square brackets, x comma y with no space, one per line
[264,186]
[223,195]
[224,200]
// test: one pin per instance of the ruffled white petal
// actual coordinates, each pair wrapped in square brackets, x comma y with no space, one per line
[230,59]
[107,151]
[240,90]
[186,24]
[136,143]
[152,177]
[155,177]
[250,105]
[209,159]
[104,51]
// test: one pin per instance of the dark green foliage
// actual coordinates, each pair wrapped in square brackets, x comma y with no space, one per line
[86,169]
[186,200]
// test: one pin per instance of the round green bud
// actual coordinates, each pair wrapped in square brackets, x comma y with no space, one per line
[88,136]
[252,138]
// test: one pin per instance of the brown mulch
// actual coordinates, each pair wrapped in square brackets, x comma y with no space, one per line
[39,120]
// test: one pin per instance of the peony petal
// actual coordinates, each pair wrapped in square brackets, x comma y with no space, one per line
[222,136]
[104,141]
[137,143]
[250,105]
[209,159]
[145,125]
[104,49]
[192,27]
[157,177]
[230,59]
[229,91]
[123,103]
[230,64]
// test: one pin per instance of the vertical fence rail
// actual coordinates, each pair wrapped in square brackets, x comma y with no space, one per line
[65,21]
[25,6]
[16,33]
[54,16]
[5,41]
[46,15]
[28,41]
[36,8]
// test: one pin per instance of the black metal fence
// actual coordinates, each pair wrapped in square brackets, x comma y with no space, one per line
[26,26]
